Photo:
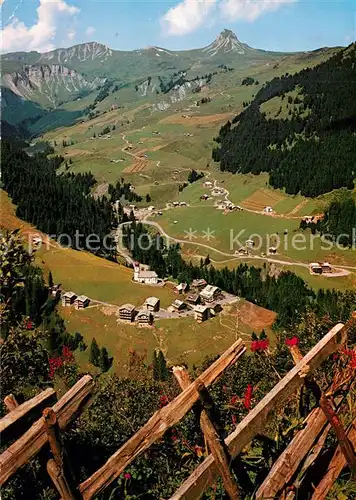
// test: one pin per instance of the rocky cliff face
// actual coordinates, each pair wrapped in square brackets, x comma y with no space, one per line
[225,43]
[49,82]
[83,52]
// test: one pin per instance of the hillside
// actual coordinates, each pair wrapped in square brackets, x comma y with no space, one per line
[299,128]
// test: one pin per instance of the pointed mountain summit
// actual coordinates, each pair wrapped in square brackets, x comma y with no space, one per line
[226,42]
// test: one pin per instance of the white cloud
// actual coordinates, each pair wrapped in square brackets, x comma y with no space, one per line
[249,10]
[187,16]
[90,31]
[71,35]
[17,36]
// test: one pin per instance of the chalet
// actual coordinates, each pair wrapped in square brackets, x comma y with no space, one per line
[193,299]
[36,241]
[210,293]
[241,251]
[250,243]
[81,302]
[268,210]
[208,184]
[127,312]
[178,305]
[272,250]
[201,313]
[199,283]
[151,208]
[182,204]
[181,288]
[143,275]
[68,298]
[315,268]
[204,197]
[144,318]
[238,207]
[326,267]
[175,203]
[152,304]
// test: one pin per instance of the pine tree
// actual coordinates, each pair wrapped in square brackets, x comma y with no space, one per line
[162,366]
[148,198]
[207,260]
[155,368]
[50,279]
[104,361]
[94,353]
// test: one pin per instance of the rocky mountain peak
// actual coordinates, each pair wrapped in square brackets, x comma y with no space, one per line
[226,42]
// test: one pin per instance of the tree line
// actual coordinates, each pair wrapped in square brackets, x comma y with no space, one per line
[310,152]
[56,204]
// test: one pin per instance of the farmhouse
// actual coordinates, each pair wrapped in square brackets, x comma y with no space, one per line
[181,288]
[193,299]
[268,210]
[68,298]
[326,267]
[144,318]
[208,184]
[250,243]
[272,250]
[178,305]
[201,313]
[152,304]
[315,268]
[199,283]
[81,302]
[210,293]
[143,275]
[204,197]
[127,312]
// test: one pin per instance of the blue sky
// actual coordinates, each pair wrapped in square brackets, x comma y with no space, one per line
[284,25]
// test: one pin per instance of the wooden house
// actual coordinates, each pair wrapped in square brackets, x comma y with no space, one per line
[178,305]
[194,299]
[127,312]
[315,268]
[210,293]
[81,302]
[181,288]
[68,298]
[55,290]
[201,313]
[152,304]
[144,318]
[326,267]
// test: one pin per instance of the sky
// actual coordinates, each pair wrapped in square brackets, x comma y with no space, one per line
[281,25]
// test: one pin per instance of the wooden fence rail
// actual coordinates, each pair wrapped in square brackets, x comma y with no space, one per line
[158,424]
[249,427]
[30,443]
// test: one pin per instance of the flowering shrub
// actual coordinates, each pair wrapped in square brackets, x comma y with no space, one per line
[248,397]
[292,342]
[259,345]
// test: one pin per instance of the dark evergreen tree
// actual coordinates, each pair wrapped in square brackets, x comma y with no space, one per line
[94,354]
[104,360]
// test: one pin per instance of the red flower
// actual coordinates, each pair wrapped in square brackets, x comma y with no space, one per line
[293,341]
[234,419]
[29,325]
[67,353]
[233,400]
[163,400]
[353,360]
[248,397]
[198,450]
[259,345]
[127,475]
[54,364]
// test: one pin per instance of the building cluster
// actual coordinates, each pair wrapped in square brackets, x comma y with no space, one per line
[320,268]
[70,298]
[228,206]
[142,316]
[202,299]
[312,219]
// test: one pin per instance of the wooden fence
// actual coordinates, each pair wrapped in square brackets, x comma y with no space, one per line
[47,429]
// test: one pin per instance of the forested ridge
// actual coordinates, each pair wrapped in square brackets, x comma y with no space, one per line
[312,150]
[55,204]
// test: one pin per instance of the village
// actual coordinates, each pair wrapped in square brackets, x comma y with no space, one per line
[198,300]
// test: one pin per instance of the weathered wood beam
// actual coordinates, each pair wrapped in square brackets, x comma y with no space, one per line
[57,471]
[158,424]
[336,465]
[30,443]
[13,422]
[214,440]
[10,402]
[252,424]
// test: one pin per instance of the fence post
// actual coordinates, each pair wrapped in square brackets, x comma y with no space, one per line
[58,467]
[215,442]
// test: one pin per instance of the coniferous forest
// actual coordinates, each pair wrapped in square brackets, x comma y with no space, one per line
[312,151]
[56,204]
